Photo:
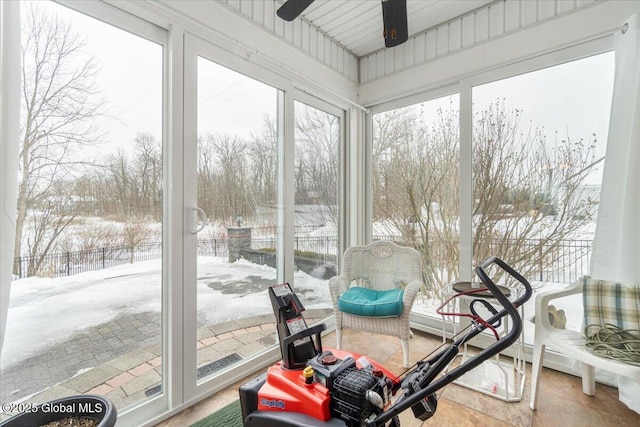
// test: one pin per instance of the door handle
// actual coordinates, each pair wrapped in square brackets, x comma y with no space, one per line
[194,227]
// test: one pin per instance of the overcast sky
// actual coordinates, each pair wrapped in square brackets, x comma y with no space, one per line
[571,99]
[568,100]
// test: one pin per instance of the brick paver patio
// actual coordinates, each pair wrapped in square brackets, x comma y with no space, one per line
[121,359]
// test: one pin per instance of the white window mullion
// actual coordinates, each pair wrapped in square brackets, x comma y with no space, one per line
[10,70]
[173,338]
[286,185]
[188,200]
[465,267]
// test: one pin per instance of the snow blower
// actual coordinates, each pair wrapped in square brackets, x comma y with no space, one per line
[319,387]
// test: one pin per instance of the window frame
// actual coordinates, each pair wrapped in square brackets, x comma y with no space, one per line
[592,47]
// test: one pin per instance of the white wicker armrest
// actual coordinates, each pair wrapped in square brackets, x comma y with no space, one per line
[338,285]
[410,292]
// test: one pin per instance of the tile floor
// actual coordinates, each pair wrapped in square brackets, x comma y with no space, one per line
[561,401]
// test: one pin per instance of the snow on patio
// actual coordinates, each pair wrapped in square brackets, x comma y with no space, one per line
[45,311]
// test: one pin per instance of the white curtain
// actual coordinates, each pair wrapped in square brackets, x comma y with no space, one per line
[616,246]
[9,135]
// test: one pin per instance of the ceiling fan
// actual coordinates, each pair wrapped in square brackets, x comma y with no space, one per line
[394,18]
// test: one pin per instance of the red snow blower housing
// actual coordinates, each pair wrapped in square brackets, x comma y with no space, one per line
[316,387]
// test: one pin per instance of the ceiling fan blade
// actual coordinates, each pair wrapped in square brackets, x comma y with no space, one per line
[394,18]
[292,8]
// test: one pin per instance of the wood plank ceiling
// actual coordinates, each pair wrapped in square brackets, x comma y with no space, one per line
[357,24]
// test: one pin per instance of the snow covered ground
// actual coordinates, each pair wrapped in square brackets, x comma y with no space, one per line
[45,311]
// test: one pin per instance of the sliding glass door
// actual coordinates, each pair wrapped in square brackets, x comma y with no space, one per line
[317,207]
[234,217]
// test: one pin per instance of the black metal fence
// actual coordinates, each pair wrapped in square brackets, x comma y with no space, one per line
[564,262]
[69,263]
[561,261]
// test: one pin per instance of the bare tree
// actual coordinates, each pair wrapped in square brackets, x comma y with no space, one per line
[121,183]
[416,186]
[58,104]
[262,157]
[135,234]
[316,160]
[96,235]
[526,190]
[47,222]
[130,184]
[148,175]
[223,186]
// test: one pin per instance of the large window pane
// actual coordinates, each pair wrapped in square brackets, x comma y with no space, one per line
[415,187]
[316,174]
[85,307]
[539,141]
[237,161]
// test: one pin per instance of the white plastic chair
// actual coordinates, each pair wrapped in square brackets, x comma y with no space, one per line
[381,265]
[570,343]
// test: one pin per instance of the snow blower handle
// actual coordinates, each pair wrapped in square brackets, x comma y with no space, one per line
[528,291]
[426,374]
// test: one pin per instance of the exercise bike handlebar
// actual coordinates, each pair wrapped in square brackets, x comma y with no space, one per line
[439,362]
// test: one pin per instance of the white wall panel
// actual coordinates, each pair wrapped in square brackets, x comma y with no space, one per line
[300,34]
[297,33]
[565,6]
[313,42]
[468,30]
[364,70]
[442,40]
[219,23]
[529,12]
[279,26]
[305,37]
[288,31]
[320,53]
[495,20]
[482,25]
[246,7]
[380,71]
[547,9]
[455,35]
[258,11]
[574,28]
[408,56]
[419,49]
[512,15]
[389,61]
[269,16]
[327,50]
[432,48]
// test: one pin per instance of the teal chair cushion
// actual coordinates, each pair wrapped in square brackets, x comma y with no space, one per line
[369,302]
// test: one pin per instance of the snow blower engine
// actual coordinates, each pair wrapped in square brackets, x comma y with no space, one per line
[316,387]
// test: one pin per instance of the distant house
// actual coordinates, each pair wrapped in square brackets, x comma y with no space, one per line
[72,204]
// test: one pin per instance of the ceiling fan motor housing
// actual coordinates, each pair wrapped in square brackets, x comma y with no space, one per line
[394,18]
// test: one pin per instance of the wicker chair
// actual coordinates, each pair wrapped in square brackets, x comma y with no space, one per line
[380,266]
